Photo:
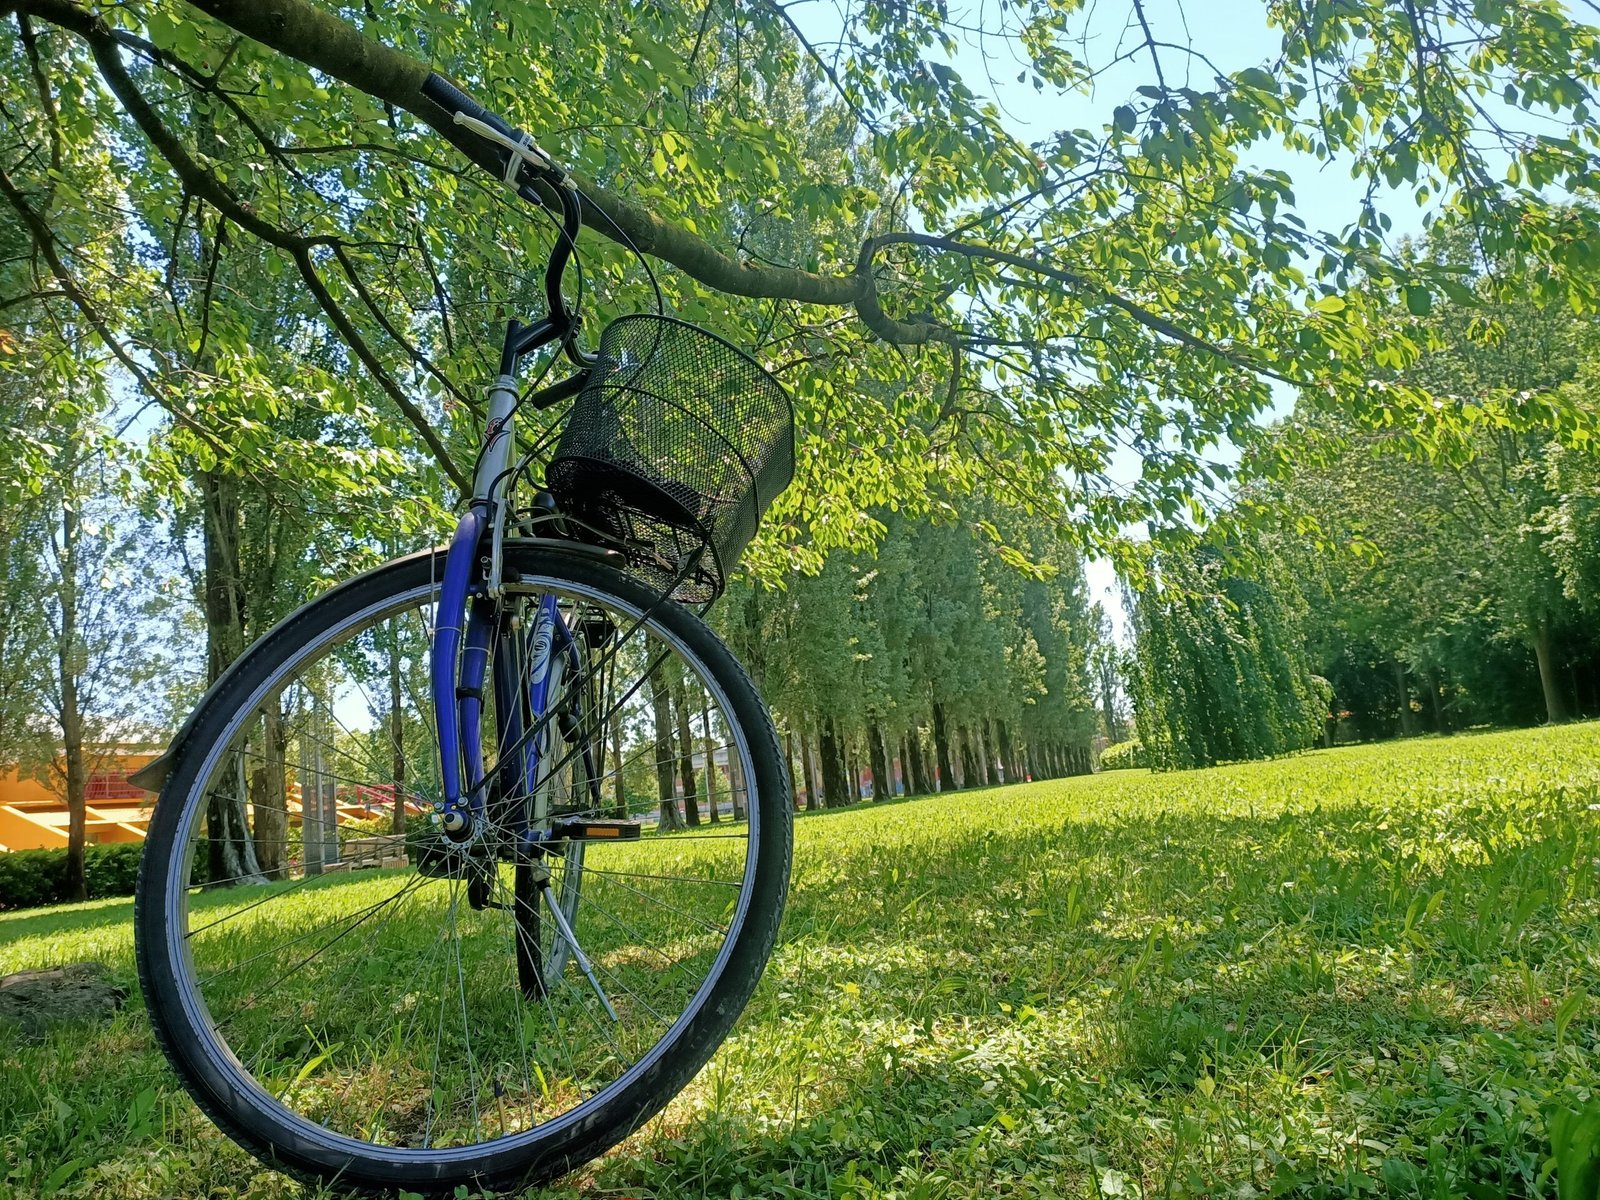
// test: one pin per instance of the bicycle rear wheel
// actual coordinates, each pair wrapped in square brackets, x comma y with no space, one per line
[378,1026]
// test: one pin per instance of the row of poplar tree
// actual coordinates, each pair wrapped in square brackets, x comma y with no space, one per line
[958,654]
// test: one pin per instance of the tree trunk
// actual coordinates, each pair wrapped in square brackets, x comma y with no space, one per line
[269,796]
[1008,753]
[660,709]
[920,765]
[789,765]
[1408,719]
[69,664]
[808,769]
[1555,704]
[310,793]
[77,786]
[1108,706]
[986,747]
[969,760]
[230,855]
[882,774]
[397,738]
[691,801]
[1436,692]
[941,746]
[711,762]
[834,794]
[908,771]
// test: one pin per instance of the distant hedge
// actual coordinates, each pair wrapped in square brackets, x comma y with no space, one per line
[31,878]
[1122,756]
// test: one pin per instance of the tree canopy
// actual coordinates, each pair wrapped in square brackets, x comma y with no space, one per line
[1430,593]
[251,207]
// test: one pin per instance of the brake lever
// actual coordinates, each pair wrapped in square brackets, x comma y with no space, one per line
[526,151]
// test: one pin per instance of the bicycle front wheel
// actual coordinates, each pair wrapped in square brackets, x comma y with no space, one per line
[492,1013]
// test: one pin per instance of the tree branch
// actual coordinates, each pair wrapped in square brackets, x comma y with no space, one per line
[44,242]
[330,44]
[358,344]
[1088,287]
[106,50]
[1150,42]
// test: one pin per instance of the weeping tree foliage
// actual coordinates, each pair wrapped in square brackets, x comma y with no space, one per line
[1433,592]
[819,182]
[1220,672]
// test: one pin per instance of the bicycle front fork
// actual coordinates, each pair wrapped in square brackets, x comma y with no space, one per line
[469,625]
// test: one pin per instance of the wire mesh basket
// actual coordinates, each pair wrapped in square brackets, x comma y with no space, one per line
[672,452]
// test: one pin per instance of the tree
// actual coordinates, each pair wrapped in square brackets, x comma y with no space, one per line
[662,752]
[95,679]
[1105,664]
[1219,666]
[1049,288]
[1437,579]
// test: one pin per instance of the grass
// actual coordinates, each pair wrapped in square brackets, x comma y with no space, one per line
[1366,971]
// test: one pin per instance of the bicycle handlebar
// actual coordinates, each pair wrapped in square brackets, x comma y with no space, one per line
[503,149]
[506,151]
[453,100]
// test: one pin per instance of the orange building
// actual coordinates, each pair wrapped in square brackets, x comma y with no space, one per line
[34,817]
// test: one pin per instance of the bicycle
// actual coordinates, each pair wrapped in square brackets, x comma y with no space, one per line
[550,968]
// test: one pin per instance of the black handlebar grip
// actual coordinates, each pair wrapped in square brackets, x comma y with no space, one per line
[453,100]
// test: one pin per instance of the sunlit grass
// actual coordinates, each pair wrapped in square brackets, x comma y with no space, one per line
[1364,971]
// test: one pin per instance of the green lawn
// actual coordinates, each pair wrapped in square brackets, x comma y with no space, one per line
[1361,971]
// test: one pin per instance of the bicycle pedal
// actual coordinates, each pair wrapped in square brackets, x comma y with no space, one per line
[595,831]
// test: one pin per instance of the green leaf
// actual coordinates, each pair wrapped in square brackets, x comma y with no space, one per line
[1575,1146]
[59,1176]
[1419,300]
[1259,79]
[1565,1012]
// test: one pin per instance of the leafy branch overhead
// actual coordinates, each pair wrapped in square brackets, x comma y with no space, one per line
[944,294]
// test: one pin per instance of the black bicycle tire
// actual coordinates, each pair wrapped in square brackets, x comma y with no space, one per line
[259,1126]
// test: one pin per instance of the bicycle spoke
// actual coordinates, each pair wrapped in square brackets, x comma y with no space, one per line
[361,916]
